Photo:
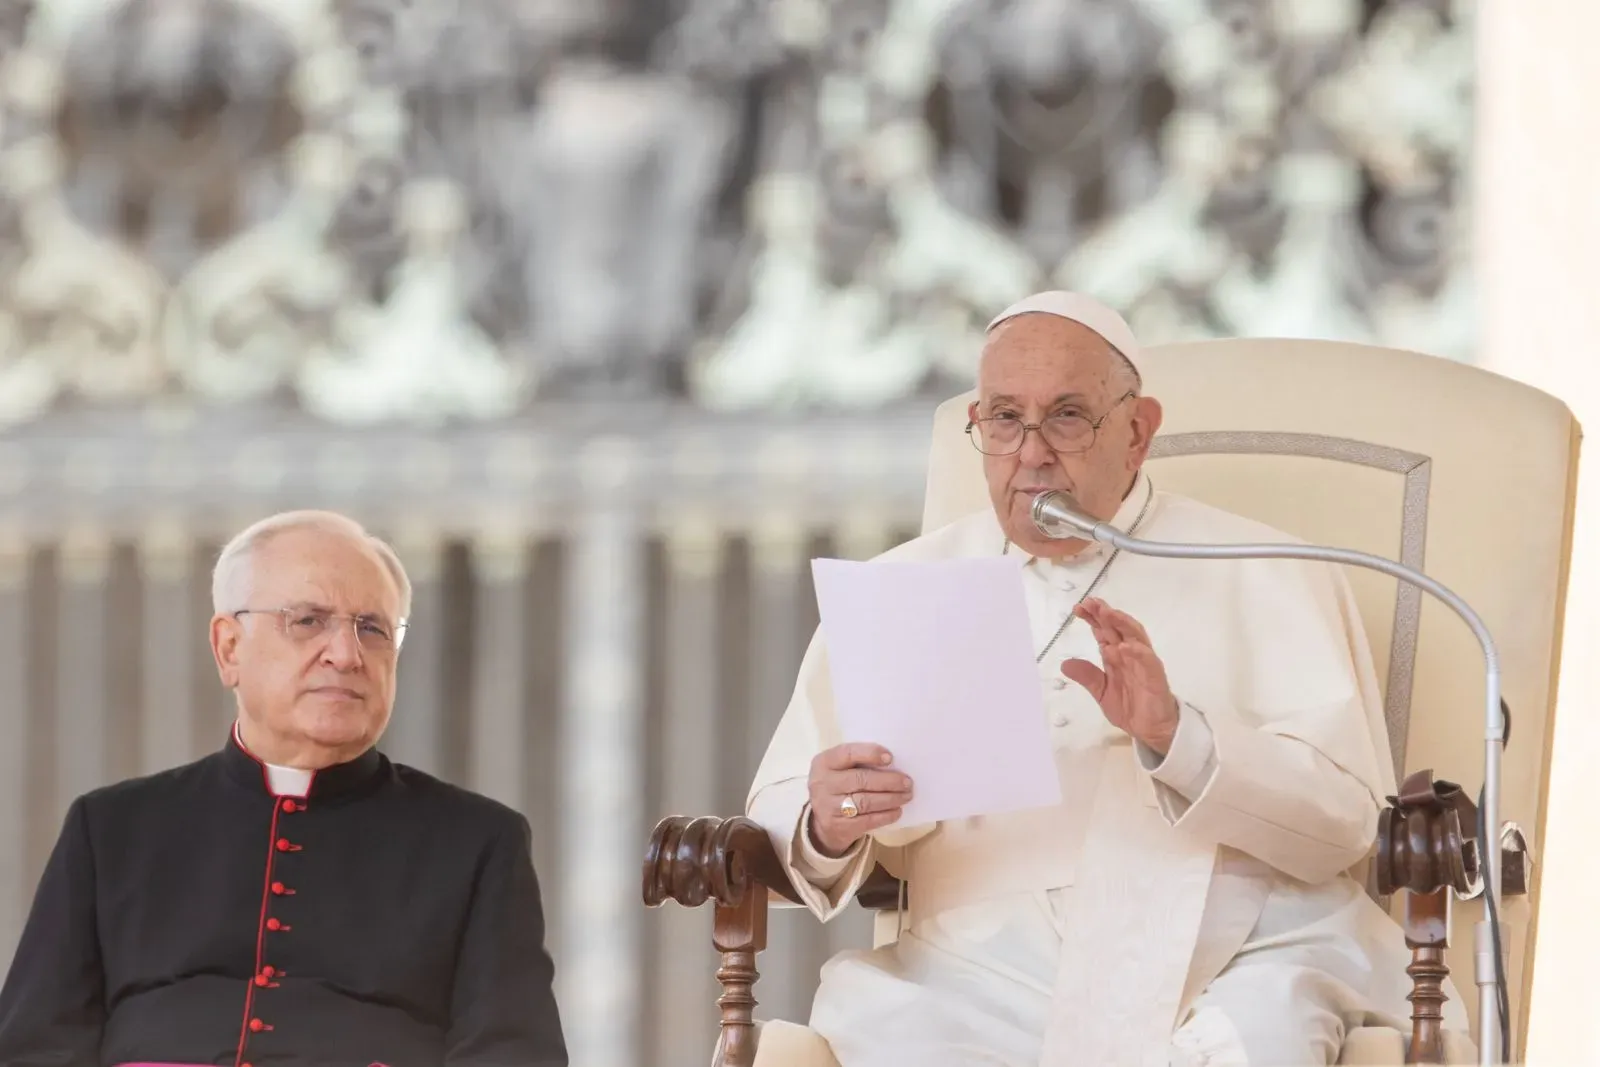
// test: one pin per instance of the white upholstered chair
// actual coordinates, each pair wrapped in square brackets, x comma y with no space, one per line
[1440,465]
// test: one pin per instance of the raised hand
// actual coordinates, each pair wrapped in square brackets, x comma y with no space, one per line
[1132,688]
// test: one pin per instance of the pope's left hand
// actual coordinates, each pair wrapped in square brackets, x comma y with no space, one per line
[1132,688]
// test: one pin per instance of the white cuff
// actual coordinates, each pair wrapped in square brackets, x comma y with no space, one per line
[1189,764]
[821,871]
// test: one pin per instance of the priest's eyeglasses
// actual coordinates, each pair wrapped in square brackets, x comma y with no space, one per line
[303,625]
[1066,434]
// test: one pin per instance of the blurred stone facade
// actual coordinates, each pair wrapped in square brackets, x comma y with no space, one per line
[419,211]
[613,313]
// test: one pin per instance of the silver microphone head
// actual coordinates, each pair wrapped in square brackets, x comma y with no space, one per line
[1059,517]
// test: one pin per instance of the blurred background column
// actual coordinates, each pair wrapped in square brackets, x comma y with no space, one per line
[602,802]
[1538,260]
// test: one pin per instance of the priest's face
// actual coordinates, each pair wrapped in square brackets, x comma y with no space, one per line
[313,662]
[1037,366]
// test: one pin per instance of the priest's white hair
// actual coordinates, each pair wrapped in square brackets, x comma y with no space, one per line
[1085,311]
[232,576]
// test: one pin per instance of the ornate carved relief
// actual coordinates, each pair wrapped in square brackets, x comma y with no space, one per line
[450,209]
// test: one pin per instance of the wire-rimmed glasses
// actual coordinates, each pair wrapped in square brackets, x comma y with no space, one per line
[303,624]
[1065,434]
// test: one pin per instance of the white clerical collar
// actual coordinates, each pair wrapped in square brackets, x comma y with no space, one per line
[1133,505]
[281,781]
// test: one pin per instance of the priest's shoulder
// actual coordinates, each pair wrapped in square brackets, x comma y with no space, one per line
[456,803]
[173,782]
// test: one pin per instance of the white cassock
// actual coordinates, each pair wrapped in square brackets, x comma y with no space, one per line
[1189,910]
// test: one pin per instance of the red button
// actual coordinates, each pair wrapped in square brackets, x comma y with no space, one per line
[285,845]
[290,806]
[273,924]
[262,980]
[278,889]
[269,971]
[256,1026]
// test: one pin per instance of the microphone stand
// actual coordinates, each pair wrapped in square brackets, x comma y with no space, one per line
[1058,516]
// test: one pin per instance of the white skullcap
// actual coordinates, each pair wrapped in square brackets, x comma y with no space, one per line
[1084,310]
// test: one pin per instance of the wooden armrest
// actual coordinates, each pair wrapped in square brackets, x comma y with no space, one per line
[692,860]
[732,864]
[1427,848]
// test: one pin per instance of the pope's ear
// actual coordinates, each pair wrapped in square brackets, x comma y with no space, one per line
[1146,421]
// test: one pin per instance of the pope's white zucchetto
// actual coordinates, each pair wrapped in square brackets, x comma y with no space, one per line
[1085,311]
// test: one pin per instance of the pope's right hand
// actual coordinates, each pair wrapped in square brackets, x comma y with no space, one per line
[854,773]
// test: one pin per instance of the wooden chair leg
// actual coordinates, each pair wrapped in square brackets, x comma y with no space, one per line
[739,933]
[1427,928]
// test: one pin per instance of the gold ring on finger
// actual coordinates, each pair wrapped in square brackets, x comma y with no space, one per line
[847,807]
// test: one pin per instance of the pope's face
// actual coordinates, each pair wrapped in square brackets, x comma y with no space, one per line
[1036,366]
[313,687]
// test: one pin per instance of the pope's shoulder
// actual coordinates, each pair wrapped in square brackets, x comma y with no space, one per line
[1209,523]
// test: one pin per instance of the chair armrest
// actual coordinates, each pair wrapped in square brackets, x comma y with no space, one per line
[693,860]
[1428,849]
[730,862]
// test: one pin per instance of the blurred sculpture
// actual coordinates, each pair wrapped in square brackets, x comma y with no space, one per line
[749,204]
[418,356]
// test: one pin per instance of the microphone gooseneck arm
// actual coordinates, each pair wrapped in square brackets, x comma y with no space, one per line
[1058,516]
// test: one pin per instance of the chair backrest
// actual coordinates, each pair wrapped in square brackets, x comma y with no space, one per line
[1446,467]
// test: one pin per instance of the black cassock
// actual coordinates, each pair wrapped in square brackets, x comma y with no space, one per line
[192,917]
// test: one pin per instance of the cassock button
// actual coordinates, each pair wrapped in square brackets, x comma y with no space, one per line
[285,845]
[262,980]
[269,971]
[279,889]
[256,1026]
[1059,718]
[290,806]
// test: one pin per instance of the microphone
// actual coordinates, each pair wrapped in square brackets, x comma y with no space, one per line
[1058,516]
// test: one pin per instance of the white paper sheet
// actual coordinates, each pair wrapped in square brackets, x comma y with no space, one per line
[934,662]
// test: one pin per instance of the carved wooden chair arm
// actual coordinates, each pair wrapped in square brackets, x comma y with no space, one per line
[731,863]
[693,860]
[1427,848]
